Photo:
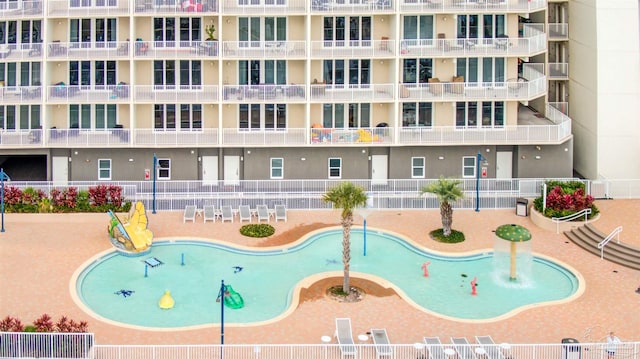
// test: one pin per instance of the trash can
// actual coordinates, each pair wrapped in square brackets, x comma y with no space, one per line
[522,207]
[570,349]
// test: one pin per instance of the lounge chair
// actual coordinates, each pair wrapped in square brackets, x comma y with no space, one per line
[490,348]
[263,212]
[227,214]
[463,348]
[381,342]
[209,213]
[345,339]
[245,213]
[189,214]
[434,345]
[281,212]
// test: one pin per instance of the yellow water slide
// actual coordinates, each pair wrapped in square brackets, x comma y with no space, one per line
[134,234]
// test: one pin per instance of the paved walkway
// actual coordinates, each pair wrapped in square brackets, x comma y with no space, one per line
[39,254]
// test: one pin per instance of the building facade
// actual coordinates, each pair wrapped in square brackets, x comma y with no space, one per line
[283,89]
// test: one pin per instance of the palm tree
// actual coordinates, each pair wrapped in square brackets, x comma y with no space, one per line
[447,191]
[348,197]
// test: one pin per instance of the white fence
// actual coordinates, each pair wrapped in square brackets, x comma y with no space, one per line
[45,345]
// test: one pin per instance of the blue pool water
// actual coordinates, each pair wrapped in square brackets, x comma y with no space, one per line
[269,277]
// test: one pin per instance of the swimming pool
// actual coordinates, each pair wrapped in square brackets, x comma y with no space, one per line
[269,278]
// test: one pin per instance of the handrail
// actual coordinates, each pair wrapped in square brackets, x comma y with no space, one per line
[614,233]
[557,220]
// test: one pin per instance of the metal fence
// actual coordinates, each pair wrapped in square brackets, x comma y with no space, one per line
[307,194]
[45,345]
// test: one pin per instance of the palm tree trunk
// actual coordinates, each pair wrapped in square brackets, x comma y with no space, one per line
[446,213]
[347,222]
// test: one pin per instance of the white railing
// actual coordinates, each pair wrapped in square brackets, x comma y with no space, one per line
[558,31]
[20,94]
[354,136]
[445,90]
[176,138]
[175,49]
[352,6]
[351,92]
[264,93]
[74,137]
[264,49]
[110,50]
[21,138]
[614,234]
[558,70]
[46,345]
[16,52]
[257,7]
[87,7]
[63,93]
[557,220]
[274,137]
[20,8]
[176,93]
[464,6]
[356,48]
[175,7]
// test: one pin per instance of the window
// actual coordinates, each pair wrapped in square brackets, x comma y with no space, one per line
[165,76]
[469,167]
[253,30]
[417,167]
[277,168]
[256,72]
[476,114]
[335,168]
[418,30]
[490,70]
[336,32]
[358,115]
[87,32]
[100,74]
[104,169]
[417,70]
[417,114]
[334,72]
[262,116]
[164,169]
[22,117]
[24,32]
[105,73]
[20,73]
[97,116]
[167,115]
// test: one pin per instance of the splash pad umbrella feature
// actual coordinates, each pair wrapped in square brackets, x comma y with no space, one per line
[514,234]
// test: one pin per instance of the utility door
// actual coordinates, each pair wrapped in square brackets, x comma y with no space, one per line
[209,169]
[231,170]
[379,169]
[60,169]
[504,163]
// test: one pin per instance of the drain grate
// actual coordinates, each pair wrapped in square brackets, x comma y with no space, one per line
[153,262]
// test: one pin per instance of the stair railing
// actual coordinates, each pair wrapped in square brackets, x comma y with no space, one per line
[615,233]
[557,220]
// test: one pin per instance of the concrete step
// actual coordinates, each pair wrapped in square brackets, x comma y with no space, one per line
[587,237]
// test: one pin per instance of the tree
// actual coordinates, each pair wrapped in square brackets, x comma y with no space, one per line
[348,197]
[447,191]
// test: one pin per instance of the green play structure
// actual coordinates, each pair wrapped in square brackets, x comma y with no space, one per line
[233,299]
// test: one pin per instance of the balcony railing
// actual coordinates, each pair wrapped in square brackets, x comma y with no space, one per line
[89,50]
[21,138]
[558,31]
[274,137]
[175,49]
[19,9]
[20,94]
[264,49]
[352,136]
[181,138]
[168,7]
[176,93]
[257,7]
[532,42]
[480,6]
[347,92]
[558,71]
[62,93]
[74,137]
[17,52]
[360,48]
[351,6]
[263,93]
[87,7]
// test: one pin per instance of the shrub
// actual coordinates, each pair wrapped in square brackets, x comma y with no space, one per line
[65,200]
[257,230]
[10,324]
[44,324]
[454,237]
[564,199]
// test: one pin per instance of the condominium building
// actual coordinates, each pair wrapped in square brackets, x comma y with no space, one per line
[237,90]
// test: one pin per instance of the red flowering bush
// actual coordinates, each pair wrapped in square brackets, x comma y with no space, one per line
[102,195]
[10,324]
[65,199]
[564,200]
[97,199]
[44,324]
[12,195]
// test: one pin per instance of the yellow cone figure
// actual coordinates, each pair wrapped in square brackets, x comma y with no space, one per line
[166,302]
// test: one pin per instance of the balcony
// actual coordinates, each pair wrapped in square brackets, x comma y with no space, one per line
[532,42]
[111,50]
[74,137]
[20,94]
[19,9]
[62,93]
[473,6]
[558,32]
[558,71]
[176,138]
[350,92]
[363,48]
[175,7]
[353,136]
[351,6]
[259,7]
[21,138]
[266,93]
[264,49]
[176,49]
[176,93]
[87,7]
[21,52]
[275,137]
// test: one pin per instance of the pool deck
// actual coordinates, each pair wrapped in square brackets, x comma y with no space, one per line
[40,253]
